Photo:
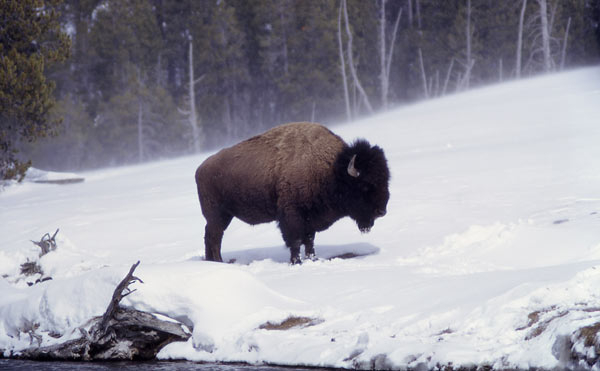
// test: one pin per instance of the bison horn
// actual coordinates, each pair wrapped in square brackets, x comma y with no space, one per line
[351,169]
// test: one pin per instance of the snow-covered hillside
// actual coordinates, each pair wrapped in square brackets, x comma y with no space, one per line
[489,253]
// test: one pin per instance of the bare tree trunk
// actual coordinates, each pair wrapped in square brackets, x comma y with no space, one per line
[140,117]
[159,75]
[423,75]
[410,13]
[459,80]
[553,8]
[357,83]
[430,87]
[500,70]
[193,116]
[545,35]
[140,127]
[467,80]
[392,45]
[447,76]
[382,75]
[520,40]
[564,46]
[386,58]
[284,38]
[418,9]
[227,118]
[343,66]
[355,101]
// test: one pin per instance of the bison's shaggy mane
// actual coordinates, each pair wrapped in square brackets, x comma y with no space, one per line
[370,163]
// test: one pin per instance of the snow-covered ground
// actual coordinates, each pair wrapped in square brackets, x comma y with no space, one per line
[489,253]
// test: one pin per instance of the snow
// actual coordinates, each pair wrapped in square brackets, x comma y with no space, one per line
[494,219]
[37,175]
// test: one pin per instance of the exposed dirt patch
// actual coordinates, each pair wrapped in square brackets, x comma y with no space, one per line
[290,323]
[542,326]
[589,334]
[539,320]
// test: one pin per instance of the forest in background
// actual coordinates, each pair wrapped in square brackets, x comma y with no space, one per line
[151,79]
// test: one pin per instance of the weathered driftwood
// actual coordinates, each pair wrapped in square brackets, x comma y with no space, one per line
[47,243]
[120,334]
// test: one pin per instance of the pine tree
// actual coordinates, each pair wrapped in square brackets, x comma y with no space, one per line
[219,57]
[30,40]
[127,73]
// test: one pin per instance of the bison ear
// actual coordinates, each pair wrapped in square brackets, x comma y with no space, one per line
[351,169]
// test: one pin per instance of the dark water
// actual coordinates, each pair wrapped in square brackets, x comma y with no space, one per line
[6,364]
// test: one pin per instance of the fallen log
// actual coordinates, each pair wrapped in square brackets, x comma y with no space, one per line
[119,334]
[60,181]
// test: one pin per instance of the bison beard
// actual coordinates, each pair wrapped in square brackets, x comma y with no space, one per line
[301,175]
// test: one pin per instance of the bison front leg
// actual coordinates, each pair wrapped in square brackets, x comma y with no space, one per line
[295,252]
[309,245]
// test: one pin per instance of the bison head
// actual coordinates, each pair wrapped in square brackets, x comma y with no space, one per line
[362,177]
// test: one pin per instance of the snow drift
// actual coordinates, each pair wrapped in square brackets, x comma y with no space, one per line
[488,255]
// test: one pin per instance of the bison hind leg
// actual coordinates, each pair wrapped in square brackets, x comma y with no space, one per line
[213,236]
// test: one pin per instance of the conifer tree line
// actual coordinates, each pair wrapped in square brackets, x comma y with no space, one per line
[148,79]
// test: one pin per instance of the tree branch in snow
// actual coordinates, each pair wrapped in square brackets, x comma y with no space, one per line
[120,334]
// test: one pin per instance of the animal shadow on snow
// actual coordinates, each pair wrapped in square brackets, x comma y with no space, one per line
[281,254]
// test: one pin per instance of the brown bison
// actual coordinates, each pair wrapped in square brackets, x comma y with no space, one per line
[301,175]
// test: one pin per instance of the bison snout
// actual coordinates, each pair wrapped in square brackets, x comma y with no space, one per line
[381,212]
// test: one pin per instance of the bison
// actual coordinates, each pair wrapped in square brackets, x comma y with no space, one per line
[301,175]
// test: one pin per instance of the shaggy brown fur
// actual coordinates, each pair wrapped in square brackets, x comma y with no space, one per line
[295,174]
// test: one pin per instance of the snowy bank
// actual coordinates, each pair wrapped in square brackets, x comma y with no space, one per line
[489,254]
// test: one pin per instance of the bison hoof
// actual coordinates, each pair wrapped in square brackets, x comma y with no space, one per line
[295,260]
[312,257]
